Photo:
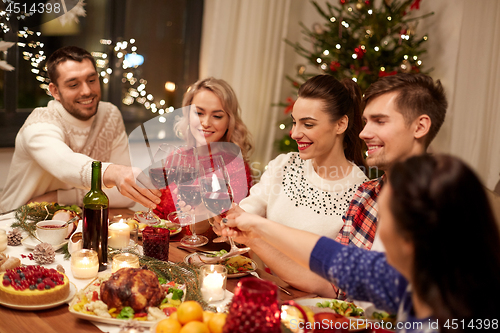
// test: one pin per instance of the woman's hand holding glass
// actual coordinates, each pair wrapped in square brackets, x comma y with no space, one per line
[217,194]
[240,225]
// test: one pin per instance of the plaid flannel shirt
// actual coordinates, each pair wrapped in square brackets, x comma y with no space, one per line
[360,220]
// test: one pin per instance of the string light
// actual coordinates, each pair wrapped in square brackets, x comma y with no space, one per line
[32,52]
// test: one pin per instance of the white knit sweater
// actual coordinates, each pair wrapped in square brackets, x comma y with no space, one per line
[54,151]
[290,192]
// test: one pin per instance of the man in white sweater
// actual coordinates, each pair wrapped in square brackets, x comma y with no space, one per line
[57,144]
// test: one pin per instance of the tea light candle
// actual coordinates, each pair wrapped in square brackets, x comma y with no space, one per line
[214,282]
[3,240]
[84,264]
[125,260]
[118,235]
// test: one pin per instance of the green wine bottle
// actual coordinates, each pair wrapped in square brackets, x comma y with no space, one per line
[95,218]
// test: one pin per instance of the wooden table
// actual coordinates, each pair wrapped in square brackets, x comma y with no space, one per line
[59,319]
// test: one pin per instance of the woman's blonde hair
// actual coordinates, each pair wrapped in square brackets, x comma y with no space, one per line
[237,131]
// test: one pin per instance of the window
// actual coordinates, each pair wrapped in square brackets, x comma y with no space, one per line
[166,33]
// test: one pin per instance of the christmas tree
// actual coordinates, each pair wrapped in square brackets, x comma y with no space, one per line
[362,40]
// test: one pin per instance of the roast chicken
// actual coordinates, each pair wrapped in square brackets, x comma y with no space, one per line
[134,287]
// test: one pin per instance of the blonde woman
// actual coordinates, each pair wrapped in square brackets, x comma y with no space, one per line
[214,116]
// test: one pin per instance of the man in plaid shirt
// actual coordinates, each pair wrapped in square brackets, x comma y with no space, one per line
[403,113]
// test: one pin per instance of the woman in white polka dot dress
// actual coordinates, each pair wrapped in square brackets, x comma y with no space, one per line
[310,190]
[431,275]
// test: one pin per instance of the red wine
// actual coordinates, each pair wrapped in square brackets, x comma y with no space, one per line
[190,194]
[187,176]
[158,177]
[161,177]
[217,202]
[95,232]
[171,175]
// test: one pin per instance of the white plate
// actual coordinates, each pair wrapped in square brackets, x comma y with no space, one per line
[111,321]
[188,259]
[172,233]
[30,243]
[366,306]
[72,293]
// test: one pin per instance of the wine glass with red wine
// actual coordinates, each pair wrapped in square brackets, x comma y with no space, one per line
[216,193]
[164,169]
[188,190]
[161,172]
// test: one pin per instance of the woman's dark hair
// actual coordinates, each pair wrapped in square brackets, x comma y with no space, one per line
[440,205]
[341,98]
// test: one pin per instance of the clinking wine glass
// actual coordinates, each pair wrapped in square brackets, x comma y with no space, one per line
[217,195]
[161,172]
[188,189]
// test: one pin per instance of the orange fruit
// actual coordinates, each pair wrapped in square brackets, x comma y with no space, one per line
[189,311]
[174,316]
[206,316]
[168,326]
[194,327]
[217,322]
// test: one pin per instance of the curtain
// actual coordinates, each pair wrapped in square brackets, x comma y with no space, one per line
[475,117]
[243,43]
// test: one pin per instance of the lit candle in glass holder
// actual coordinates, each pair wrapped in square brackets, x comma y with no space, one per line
[118,235]
[213,282]
[125,260]
[84,264]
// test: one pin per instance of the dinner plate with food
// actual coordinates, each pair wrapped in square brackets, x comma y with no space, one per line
[172,227]
[236,266]
[128,294]
[359,314]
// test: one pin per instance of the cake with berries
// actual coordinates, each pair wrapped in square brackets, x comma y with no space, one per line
[33,285]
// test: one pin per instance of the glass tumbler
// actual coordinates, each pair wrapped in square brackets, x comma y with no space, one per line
[255,308]
[155,242]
